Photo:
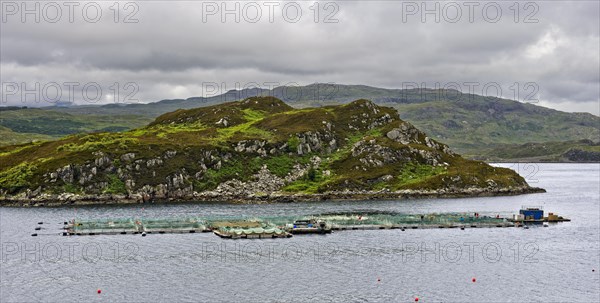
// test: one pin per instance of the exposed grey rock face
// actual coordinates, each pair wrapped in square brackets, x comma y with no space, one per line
[66,174]
[170,154]
[223,121]
[313,141]
[405,134]
[371,154]
[252,147]
[408,134]
[154,162]
[263,182]
[431,143]
[385,119]
[31,194]
[176,181]
[129,184]
[103,162]
[127,157]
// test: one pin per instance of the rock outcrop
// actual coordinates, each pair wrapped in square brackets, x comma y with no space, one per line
[258,149]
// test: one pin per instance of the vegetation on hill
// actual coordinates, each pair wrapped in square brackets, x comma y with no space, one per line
[564,151]
[22,125]
[470,124]
[257,146]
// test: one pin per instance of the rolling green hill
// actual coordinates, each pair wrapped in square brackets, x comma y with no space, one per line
[563,151]
[257,147]
[20,125]
[470,124]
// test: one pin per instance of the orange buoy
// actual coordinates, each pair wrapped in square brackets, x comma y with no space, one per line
[474,280]
[99,290]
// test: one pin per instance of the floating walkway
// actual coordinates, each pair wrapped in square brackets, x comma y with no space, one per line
[419,226]
[286,226]
[124,226]
[251,233]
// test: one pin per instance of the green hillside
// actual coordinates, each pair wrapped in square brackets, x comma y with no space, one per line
[21,125]
[252,147]
[470,124]
[563,151]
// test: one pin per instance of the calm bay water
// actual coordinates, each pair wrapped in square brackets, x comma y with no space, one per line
[553,264]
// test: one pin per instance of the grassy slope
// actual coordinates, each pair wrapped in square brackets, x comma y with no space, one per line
[31,124]
[194,133]
[545,152]
[472,130]
[468,123]
[10,137]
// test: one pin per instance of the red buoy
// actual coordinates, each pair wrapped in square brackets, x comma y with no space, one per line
[417,299]
[474,280]
[99,291]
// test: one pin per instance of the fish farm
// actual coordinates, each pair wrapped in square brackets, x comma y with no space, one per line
[287,226]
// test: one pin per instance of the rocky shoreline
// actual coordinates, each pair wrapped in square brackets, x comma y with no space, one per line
[67,199]
[257,150]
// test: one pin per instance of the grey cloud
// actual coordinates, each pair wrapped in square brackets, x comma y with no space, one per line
[171,52]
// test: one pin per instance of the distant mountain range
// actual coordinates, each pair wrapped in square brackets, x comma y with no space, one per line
[471,124]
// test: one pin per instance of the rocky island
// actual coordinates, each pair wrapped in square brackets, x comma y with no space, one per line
[256,150]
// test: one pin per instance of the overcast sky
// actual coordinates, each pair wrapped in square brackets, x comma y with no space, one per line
[548,50]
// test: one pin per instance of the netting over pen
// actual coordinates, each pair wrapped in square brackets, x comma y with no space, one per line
[120,225]
[389,218]
[173,224]
[382,218]
[127,225]
[105,225]
[368,218]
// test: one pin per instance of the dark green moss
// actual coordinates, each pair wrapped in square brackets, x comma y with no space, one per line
[115,185]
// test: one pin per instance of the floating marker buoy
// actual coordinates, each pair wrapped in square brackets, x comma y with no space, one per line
[99,290]
[474,280]
[378,280]
[417,299]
